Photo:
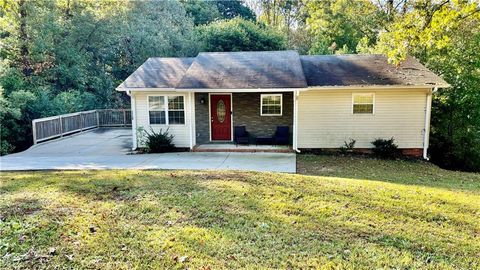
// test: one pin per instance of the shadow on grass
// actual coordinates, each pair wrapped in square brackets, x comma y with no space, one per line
[266,220]
[267,213]
[408,172]
[20,208]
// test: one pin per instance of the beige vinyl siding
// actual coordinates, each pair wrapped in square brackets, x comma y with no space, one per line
[179,131]
[325,118]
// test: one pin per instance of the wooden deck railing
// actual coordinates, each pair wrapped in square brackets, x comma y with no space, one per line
[60,125]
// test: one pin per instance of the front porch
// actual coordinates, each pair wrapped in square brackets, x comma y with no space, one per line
[260,114]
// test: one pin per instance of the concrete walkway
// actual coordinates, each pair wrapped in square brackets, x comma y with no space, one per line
[109,148]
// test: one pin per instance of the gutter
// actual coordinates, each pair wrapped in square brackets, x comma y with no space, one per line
[307,88]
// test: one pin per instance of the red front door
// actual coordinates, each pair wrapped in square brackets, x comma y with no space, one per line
[220,113]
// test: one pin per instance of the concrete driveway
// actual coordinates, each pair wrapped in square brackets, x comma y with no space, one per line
[110,148]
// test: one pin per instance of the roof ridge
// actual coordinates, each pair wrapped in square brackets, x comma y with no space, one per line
[170,57]
[238,52]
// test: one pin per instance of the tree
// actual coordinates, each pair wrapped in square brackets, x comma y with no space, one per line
[240,35]
[70,55]
[202,12]
[205,11]
[235,8]
[445,36]
[288,17]
[338,26]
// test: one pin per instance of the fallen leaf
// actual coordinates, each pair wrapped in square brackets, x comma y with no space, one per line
[183,259]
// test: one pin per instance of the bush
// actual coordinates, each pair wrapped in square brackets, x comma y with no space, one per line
[347,147]
[385,148]
[157,142]
[5,148]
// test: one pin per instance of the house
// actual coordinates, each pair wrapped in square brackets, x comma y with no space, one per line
[323,99]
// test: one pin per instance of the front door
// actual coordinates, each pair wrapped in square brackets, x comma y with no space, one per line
[221,121]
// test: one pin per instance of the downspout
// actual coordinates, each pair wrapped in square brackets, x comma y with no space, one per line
[190,119]
[194,128]
[426,133]
[134,119]
[295,120]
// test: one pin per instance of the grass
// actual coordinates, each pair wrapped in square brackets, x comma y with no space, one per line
[359,214]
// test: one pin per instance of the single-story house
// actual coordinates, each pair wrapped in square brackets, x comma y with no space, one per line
[325,100]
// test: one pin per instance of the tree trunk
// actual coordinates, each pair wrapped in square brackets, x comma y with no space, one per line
[25,62]
[390,9]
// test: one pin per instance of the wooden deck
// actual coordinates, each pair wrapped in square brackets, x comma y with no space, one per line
[47,128]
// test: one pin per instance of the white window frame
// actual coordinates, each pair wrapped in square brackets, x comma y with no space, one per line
[166,109]
[270,95]
[363,94]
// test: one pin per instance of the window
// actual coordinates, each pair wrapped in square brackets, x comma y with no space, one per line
[271,105]
[166,110]
[363,103]
[176,113]
[156,110]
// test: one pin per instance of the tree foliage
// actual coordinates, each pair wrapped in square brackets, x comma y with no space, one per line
[205,11]
[288,17]
[202,12]
[235,8]
[339,26]
[240,35]
[64,56]
[445,36]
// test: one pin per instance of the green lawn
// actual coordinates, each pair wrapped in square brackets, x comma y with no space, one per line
[358,214]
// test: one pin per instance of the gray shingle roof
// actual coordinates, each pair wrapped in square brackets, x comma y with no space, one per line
[365,70]
[158,73]
[278,69]
[240,70]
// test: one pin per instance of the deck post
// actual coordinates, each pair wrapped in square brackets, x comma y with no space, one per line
[61,126]
[34,132]
[82,121]
[98,118]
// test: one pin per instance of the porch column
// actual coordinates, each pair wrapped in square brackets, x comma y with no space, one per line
[190,117]
[134,119]
[295,119]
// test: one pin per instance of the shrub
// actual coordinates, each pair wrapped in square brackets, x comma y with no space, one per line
[157,142]
[385,148]
[347,147]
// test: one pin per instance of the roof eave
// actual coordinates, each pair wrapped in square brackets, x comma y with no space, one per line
[286,89]
[393,86]
[145,89]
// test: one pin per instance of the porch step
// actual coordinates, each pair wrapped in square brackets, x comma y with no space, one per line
[241,148]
